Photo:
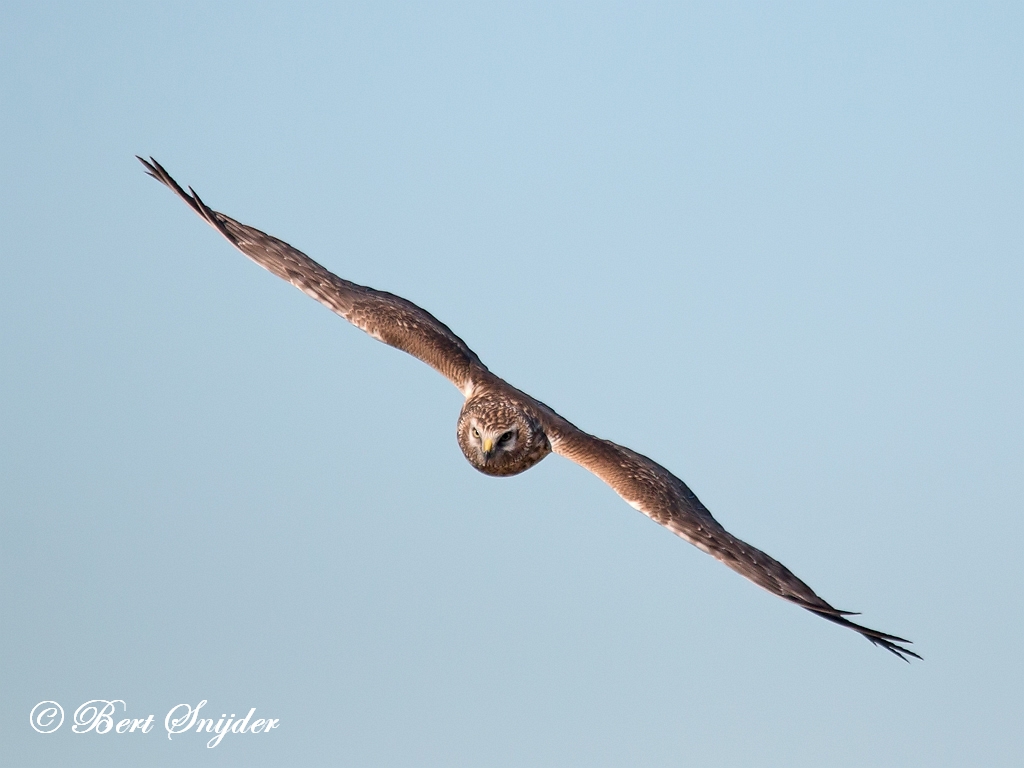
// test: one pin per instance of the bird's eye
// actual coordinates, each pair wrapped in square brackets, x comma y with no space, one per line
[476,433]
[505,437]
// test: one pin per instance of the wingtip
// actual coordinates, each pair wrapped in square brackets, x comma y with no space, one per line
[892,643]
[896,650]
[157,171]
[149,166]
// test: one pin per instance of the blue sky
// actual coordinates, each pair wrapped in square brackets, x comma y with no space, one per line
[775,247]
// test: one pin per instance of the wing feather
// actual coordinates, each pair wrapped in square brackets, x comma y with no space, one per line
[388,318]
[663,497]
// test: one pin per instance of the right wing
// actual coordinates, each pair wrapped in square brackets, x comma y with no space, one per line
[663,497]
[388,318]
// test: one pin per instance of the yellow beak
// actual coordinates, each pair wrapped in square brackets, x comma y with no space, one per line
[488,445]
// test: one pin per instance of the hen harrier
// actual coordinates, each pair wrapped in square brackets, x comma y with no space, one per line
[503,431]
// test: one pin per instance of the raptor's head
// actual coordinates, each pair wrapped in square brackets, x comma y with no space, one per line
[500,438]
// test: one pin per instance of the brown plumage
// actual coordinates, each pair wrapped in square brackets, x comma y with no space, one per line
[503,431]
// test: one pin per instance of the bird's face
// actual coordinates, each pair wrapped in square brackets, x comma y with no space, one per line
[492,440]
[499,439]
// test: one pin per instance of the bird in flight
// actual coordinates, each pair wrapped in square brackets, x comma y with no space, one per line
[503,431]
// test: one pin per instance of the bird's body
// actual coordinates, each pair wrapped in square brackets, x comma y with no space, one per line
[503,431]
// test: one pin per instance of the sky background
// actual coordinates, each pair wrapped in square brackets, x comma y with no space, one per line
[776,247]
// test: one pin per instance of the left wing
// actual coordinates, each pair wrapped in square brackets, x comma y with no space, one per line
[388,318]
